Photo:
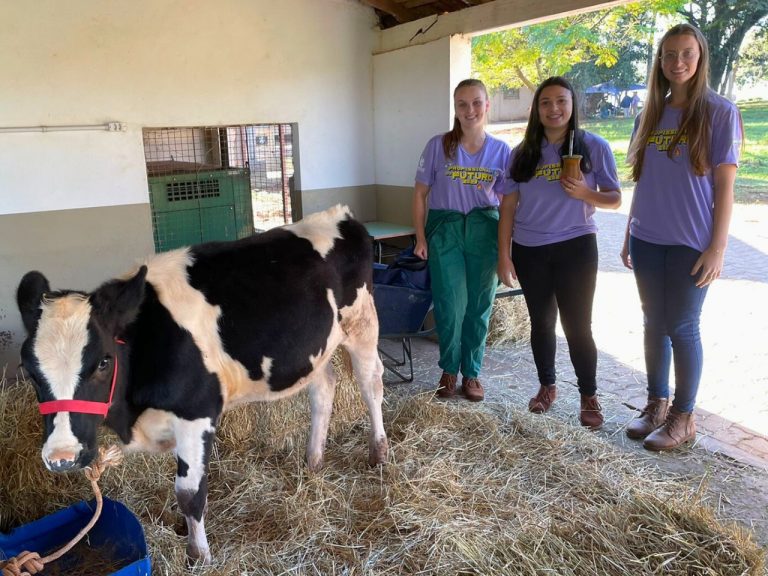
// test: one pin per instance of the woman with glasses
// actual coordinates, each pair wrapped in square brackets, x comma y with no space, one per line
[684,153]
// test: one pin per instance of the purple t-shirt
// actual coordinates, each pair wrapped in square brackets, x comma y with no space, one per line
[545,213]
[672,205]
[468,182]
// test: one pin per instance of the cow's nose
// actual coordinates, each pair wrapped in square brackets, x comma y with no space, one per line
[61,465]
[61,461]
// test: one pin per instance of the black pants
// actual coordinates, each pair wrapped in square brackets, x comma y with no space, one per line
[561,276]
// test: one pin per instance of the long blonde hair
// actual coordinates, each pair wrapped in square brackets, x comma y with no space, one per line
[695,123]
[451,139]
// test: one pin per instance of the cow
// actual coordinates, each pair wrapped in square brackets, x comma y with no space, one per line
[158,354]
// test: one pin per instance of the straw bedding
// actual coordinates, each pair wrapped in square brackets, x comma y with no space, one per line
[509,322]
[468,490]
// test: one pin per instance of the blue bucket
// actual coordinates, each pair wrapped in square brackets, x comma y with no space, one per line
[117,538]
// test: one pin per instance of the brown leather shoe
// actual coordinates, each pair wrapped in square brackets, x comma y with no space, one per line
[591,414]
[543,399]
[446,388]
[679,428]
[472,389]
[653,415]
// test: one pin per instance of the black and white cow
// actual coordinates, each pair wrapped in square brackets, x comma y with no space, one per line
[159,354]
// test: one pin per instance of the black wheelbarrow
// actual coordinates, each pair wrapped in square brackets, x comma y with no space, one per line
[403,299]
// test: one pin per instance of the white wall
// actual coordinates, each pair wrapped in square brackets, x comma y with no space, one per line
[156,63]
[413,101]
[66,170]
[507,109]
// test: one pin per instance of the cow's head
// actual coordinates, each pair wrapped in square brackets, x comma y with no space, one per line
[71,356]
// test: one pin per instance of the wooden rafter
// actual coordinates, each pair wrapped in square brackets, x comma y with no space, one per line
[398,11]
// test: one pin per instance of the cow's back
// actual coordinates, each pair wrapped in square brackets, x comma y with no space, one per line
[263,312]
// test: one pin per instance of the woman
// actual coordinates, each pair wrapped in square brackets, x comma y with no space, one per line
[455,214]
[684,153]
[547,218]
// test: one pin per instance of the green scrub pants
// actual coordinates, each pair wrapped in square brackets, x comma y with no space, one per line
[462,266]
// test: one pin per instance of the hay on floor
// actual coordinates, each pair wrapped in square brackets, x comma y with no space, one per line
[509,322]
[468,490]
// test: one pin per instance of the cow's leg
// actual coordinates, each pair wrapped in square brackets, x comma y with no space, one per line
[368,369]
[194,441]
[321,393]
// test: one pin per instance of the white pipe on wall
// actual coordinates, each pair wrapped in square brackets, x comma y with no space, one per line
[109,127]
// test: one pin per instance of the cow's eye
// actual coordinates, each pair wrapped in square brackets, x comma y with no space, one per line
[104,364]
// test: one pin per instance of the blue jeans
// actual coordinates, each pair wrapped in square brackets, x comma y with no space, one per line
[672,305]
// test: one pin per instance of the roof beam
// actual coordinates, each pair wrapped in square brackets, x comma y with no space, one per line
[485,18]
[400,12]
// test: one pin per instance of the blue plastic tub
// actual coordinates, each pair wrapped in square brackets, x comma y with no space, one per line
[117,537]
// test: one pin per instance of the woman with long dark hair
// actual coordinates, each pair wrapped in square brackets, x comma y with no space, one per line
[547,237]
[684,153]
[455,214]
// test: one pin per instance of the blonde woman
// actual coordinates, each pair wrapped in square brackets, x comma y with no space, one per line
[684,153]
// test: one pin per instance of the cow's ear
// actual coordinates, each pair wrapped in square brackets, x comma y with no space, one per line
[28,296]
[117,302]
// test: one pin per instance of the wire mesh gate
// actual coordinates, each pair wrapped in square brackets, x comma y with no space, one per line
[218,183]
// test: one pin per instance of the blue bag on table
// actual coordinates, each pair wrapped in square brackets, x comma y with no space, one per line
[407,270]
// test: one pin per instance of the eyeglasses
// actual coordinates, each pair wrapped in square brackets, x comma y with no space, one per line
[688,55]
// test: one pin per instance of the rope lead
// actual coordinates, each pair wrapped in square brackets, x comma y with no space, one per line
[30,563]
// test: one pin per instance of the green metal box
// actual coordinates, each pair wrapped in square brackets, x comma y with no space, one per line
[200,207]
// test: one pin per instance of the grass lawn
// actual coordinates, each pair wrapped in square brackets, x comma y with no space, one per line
[751,178]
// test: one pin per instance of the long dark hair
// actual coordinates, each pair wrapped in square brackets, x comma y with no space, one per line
[451,139]
[695,122]
[528,152]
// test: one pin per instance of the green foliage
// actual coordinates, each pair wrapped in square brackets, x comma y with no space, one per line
[752,177]
[611,42]
[724,24]
[753,61]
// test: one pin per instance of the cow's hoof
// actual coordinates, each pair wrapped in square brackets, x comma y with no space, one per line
[198,557]
[377,453]
[315,464]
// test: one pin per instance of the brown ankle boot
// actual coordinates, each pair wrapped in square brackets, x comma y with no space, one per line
[680,427]
[543,399]
[472,389]
[653,415]
[591,415]
[446,388]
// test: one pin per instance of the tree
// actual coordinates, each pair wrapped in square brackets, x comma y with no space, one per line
[613,41]
[724,24]
[753,60]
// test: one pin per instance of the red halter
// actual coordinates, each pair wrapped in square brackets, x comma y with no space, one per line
[82,406]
